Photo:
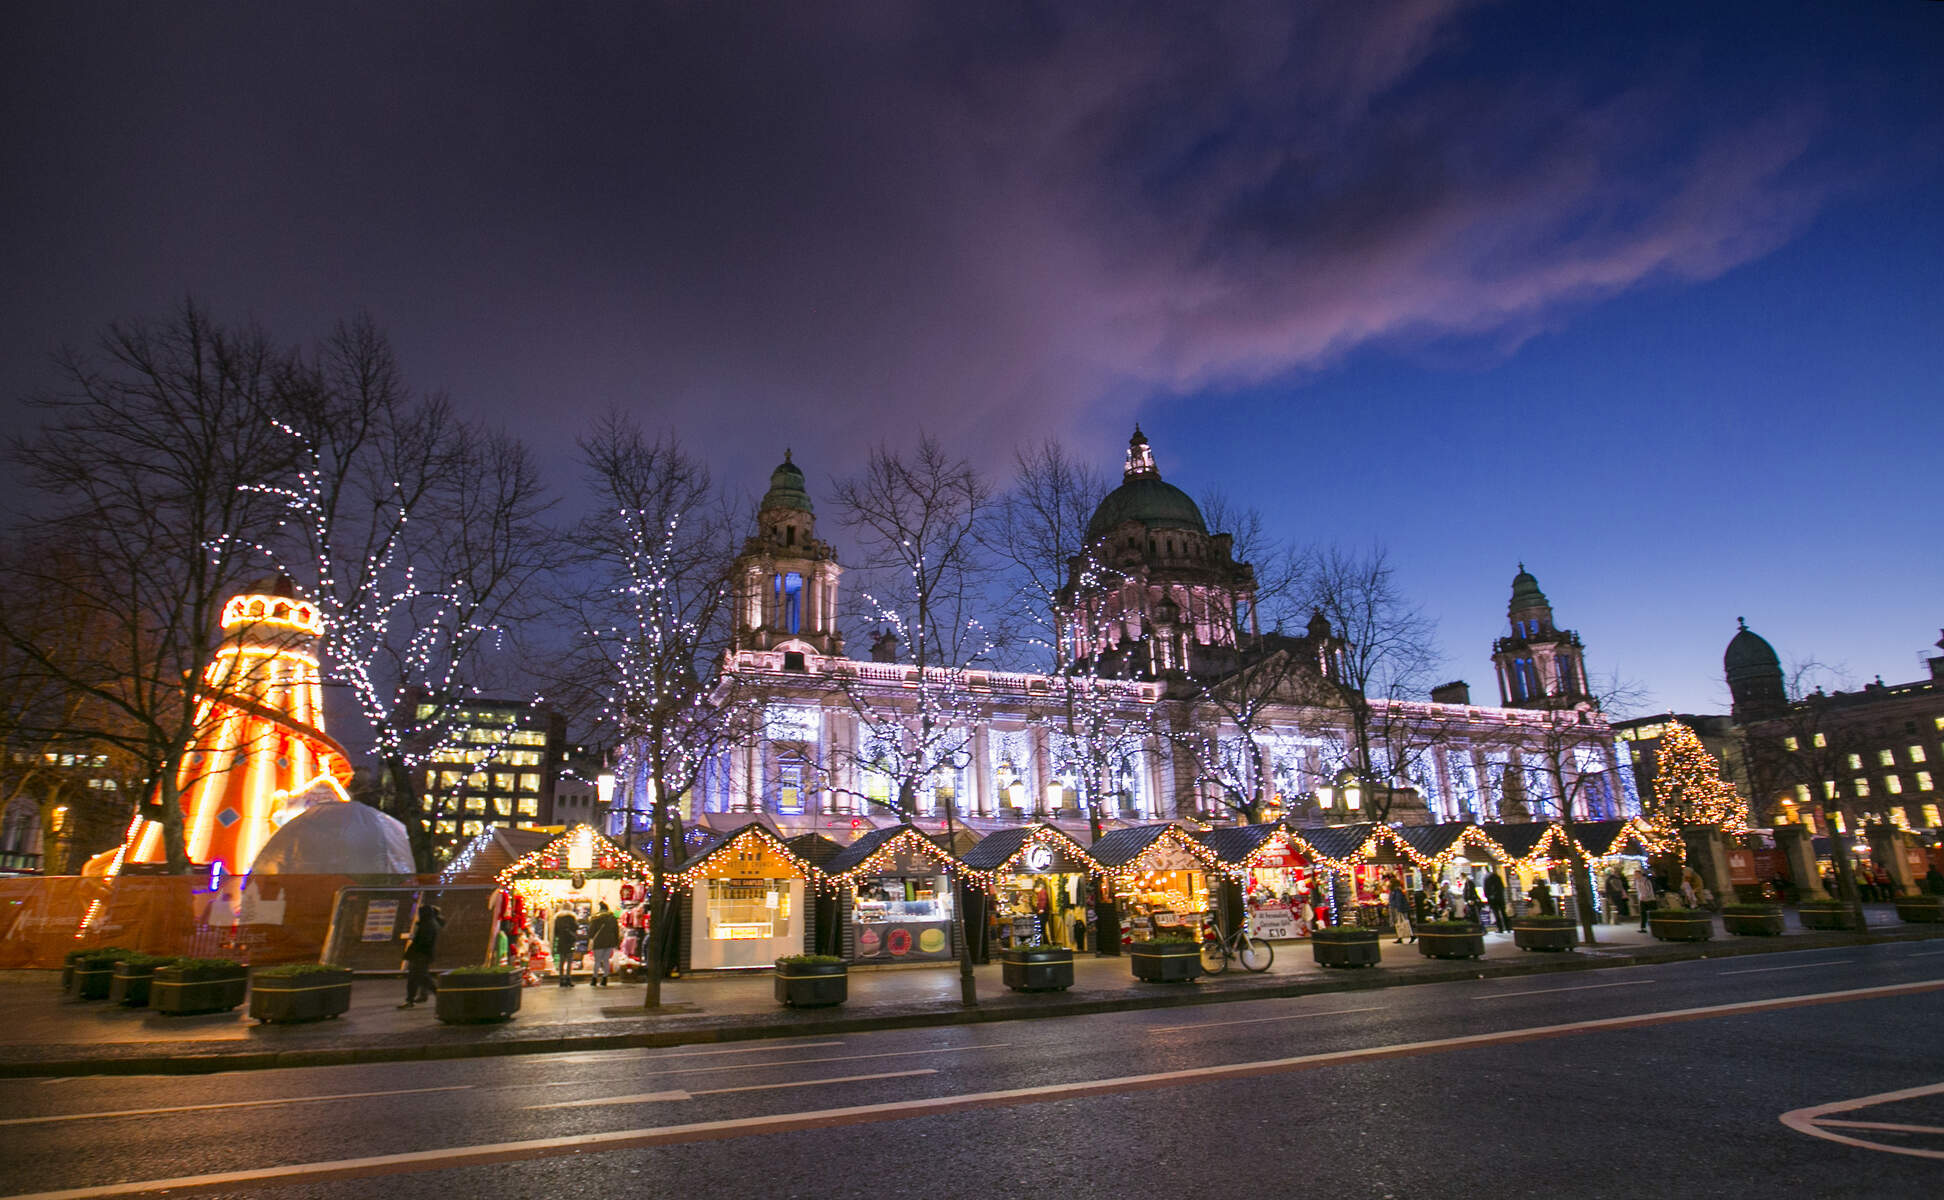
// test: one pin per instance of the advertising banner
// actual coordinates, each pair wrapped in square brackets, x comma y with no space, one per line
[904,941]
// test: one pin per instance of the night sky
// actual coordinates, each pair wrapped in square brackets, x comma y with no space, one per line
[1647,296]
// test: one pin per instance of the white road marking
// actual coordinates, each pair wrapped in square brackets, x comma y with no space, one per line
[1791,967]
[656,1097]
[607,1055]
[622,1139]
[1889,1125]
[785,1062]
[1331,1012]
[1810,1120]
[1924,954]
[182,1108]
[1582,987]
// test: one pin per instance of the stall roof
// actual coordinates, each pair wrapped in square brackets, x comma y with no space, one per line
[1432,840]
[855,855]
[1124,846]
[957,842]
[720,842]
[551,857]
[1338,843]
[1234,844]
[814,848]
[1518,839]
[1001,846]
[491,852]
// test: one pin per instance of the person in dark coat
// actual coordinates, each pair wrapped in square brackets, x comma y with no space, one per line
[603,937]
[1495,897]
[566,931]
[419,983]
[1934,881]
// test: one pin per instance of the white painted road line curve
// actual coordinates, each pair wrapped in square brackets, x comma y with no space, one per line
[1813,1121]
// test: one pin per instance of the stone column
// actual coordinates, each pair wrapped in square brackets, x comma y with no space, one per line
[1799,852]
[1041,773]
[1707,853]
[981,771]
[1887,850]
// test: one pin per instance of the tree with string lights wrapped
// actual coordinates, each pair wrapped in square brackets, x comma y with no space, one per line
[1688,787]
[420,537]
[653,625]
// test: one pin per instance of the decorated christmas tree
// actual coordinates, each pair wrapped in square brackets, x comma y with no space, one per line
[1688,787]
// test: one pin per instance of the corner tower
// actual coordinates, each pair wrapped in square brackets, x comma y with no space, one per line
[1754,677]
[1539,665]
[786,579]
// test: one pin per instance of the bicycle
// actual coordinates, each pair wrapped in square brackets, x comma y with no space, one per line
[1252,952]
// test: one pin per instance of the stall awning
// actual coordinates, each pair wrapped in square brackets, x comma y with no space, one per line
[482,859]
[1006,848]
[879,851]
[1149,847]
[1439,844]
[1519,840]
[814,848]
[1336,845]
[581,850]
[722,846]
[1604,839]
[1236,844]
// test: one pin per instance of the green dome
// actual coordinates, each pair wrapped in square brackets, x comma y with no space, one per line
[786,488]
[1153,503]
[1526,593]
[1749,650]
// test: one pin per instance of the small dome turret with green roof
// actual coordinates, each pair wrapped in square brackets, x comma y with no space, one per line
[786,488]
[1754,675]
[1526,595]
[1747,651]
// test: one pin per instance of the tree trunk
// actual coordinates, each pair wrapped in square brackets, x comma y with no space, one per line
[968,983]
[173,847]
[1106,911]
[405,807]
[1846,871]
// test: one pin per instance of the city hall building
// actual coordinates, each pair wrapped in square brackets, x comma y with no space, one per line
[1162,617]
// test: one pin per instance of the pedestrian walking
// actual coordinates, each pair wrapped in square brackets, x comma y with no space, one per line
[1400,911]
[1495,897]
[1474,903]
[1616,894]
[603,935]
[419,983]
[1643,890]
[566,931]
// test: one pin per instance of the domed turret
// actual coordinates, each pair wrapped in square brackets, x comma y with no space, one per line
[1754,676]
[787,577]
[1539,665]
[786,488]
[1143,497]
[1526,594]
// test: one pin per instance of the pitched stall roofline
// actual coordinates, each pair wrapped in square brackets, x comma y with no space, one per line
[691,868]
[858,857]
[604,850]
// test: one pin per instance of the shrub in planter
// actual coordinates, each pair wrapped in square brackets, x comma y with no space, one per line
[1341,946]
[1450,939]
[1540,933]
[1825,914]
[86,974]
[1681,924]
[476,995]
[1918,908]
[1166,958]
[1037,968]
[198,985]
[1752,920]
[297,992]
[129,987]
[812,980]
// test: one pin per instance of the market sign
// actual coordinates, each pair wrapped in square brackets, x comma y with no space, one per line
[1037,858]
[1741,865]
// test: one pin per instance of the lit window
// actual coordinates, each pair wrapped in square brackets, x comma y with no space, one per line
[1789,743]
[1821,741]
[529,806]
[1917,754]
[1829,789]
[425,711]
[1862,786]
[1802,793]
[1923,781]
[1856,762]
[1836,819]
[1893,784]
[1886,758]
[530,782]
[431,779]
[1930,816]
[503,781]
[1899,818]
[475,804]
[1940,722]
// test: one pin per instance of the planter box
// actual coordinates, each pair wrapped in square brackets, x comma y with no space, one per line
[1768,924]
[812,985]
[1166,962]
[1038,969]
[1545,934]
[1920,910]
[175,996]
[90,983]
[1443,944]
[1697,928]
[129,986]
[1357,952]
[287,1001]
[1826,918]
[477,998]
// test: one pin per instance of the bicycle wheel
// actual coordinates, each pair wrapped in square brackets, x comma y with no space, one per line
[1214,958]
[1257,954]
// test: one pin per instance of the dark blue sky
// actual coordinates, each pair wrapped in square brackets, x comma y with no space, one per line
[1647,296]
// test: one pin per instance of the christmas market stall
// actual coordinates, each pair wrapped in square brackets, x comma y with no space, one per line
[827,932]
[576,872]
[894,895]
[1536,851]
[1273,877]
[747,894]
[1453,854]
[1617,849]
[1030,887]
[1159,875]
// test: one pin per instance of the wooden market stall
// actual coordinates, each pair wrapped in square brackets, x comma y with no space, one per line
[1028,886]
[1159,875]
[746,896]
[895,897]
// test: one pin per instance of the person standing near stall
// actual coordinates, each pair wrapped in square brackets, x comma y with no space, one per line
[603,937]
[566,931]
[1400,911]
[1644,896]
[418,955]
[1495,897]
